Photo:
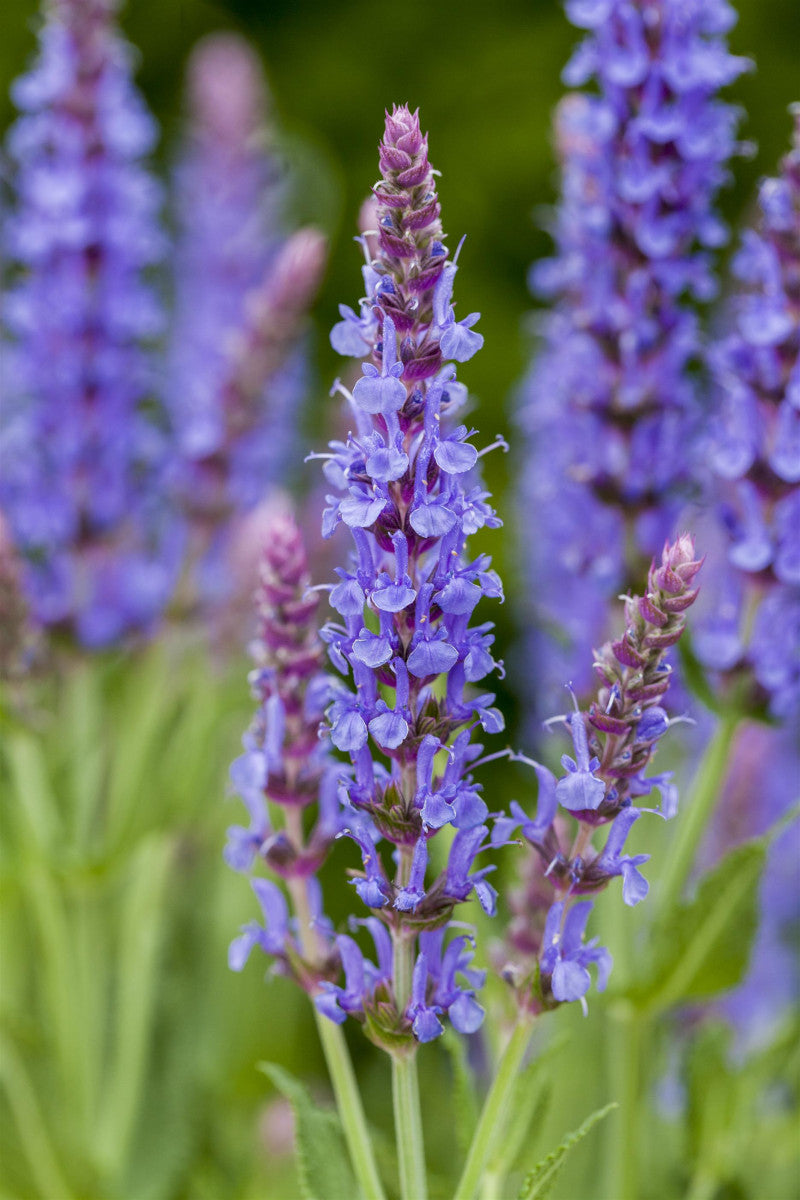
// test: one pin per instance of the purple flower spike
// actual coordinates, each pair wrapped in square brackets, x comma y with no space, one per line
[237,366]
[610,403]
[404,482]
[285,760]
[754,449]
[83,457]
[614,743]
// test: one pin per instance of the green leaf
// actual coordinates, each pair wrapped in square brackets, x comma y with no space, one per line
[145,711]
[540,1180]
[323,1165]
[464,1111]
[703,947]
[24,1105]
[711,1092]
[83,721]
[35,805]
[139,931]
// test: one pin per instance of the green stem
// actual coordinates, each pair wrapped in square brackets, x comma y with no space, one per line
[495,1108]
[340,1066]
[405,1084]
[350,1108]
[408,1127]
[624,1051]
[491,1185]
[704,794]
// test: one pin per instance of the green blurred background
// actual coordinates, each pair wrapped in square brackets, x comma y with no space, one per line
[200,1121]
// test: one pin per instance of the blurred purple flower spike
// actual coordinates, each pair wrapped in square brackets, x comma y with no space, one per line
[82,456]
[609,403]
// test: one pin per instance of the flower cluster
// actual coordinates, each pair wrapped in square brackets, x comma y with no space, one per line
[610,403]
[237,368]
[404,486]
[614,742]
[285,761]
[754,450]
[80,452]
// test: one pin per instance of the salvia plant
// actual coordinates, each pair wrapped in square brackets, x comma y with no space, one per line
[442,934]
[242,288]
[81,451]
[611,403]
[406,706]
[754,450]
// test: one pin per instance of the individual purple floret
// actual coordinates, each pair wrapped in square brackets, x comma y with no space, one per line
[754,451]
[237,366]
[614,741]
[403,484]
[80,454]
[610,403]
[285,761]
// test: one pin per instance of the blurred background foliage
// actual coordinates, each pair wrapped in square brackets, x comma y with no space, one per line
[137,1073]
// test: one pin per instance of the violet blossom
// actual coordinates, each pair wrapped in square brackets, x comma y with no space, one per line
[610,403]
[754,450]
[403,483]
[81,455]
[285,761]
[614,741]
[242,290]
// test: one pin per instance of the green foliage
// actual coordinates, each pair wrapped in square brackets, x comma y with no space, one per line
[539,1182]
[464,1110]
[741,1129]
[322,1161]
[112,781]
[701,948]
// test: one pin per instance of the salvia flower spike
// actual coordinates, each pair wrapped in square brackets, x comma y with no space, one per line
[243,289]
[754,450]
[614,742]
[403,484]
[81,457]
[285,761]
[610,402]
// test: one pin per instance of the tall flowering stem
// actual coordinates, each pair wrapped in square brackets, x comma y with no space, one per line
[80,453]
[548,960]
[216,482]
[242,291]
[614,741]
[285,762]
[753,446]
[404,485]
[610,403]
